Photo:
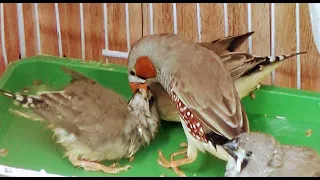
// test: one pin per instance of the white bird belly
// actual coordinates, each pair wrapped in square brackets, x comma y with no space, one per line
[205,147]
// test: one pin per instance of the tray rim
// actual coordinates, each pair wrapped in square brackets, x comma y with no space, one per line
[20,172]
[123,69]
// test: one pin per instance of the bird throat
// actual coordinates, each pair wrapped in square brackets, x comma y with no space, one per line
[193,124]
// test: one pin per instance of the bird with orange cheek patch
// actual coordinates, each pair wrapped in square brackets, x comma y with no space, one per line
[200,86]
[246,70]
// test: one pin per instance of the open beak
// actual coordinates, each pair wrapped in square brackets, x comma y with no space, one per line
[231,147]
[136,86]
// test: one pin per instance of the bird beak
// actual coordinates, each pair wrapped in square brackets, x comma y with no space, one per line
[231,147]
[135,86]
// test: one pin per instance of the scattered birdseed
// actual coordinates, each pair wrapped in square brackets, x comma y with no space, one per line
[162,175]
[308,132]
[131,158]
[252,95]
[3,152]
[183,144]
[259,86]
[16,103]
[37,82]
[280,117]
[25,90]
[261,67]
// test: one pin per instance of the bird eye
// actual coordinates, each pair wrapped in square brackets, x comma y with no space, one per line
[132,73]
[236,140]
[249,153]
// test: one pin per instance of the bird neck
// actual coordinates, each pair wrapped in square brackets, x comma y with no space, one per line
[165,79]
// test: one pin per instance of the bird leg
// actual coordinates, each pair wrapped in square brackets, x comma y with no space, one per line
[183,151]
[183,145]
[28,115]
[94,166]
[174,164]
[176,169]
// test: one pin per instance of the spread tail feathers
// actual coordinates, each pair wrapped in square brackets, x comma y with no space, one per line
[233,42]
[24,100]
[227,44]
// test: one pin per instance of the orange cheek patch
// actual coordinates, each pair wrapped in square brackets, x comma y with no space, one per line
[145,68]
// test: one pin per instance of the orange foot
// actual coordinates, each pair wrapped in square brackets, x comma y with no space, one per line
[174,164]
[94,166]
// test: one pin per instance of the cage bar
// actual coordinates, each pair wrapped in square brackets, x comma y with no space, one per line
[116,54]
[22,41]
[36,14]
[127,26]
[3,42]
[56,8]
[249,26]
[83,47]
[298,45]
[175,21]
[199,21]
[225,16]
[105,22]
[151,17]
[273,36]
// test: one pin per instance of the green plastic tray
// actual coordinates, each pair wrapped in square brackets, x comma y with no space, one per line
[285,113]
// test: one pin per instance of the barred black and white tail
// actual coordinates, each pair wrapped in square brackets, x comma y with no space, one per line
[24,100]
[269,60]
[273,59]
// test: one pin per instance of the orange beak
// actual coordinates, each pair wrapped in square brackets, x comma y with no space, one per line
[136,86]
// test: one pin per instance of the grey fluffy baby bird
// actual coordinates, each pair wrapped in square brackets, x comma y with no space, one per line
[257,154]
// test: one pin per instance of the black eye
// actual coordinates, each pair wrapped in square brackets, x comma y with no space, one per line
[249,153]
[132,73]
[236,140]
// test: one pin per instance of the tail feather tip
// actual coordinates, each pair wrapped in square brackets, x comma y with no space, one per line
[24,100]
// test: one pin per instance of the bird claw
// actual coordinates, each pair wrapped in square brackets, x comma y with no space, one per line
[252,95]
[131,158]
[163,161]
[183,145]
[113,169]
[171,164]
[116,170]
[94,166]
[114,165]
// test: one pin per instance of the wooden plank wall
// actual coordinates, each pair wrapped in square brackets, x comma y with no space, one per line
[213,25]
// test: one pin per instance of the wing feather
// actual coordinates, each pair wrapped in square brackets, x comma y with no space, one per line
[212,96]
